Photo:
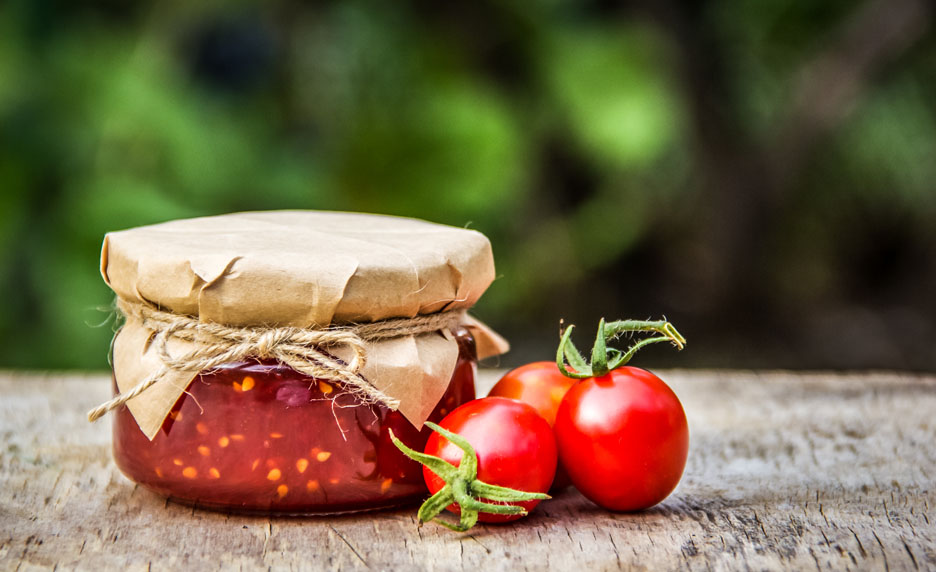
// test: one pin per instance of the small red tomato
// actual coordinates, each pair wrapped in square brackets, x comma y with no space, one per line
[491,459]
[623,437]
[515,449]
[540,384]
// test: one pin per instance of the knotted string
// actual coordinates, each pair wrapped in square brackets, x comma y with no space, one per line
[307,351]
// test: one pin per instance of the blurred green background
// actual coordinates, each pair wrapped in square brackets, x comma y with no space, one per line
[760,172]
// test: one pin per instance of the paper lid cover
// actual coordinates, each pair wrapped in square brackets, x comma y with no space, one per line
[299,268]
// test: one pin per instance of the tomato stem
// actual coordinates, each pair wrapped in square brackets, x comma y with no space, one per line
[599,357]
[462,486]
[605,359]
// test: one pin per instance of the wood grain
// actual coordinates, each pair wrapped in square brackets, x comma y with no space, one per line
[786,471]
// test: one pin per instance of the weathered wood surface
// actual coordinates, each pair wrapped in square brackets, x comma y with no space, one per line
[786,471]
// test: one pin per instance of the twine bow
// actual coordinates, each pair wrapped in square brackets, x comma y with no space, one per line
[304,350]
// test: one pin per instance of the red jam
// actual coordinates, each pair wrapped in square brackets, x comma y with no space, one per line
[261,437]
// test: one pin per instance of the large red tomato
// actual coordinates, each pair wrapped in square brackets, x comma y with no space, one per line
[623,437]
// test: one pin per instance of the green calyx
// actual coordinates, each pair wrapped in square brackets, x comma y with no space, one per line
[605,359]
[462,486]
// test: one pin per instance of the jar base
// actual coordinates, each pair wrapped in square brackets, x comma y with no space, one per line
[330,510]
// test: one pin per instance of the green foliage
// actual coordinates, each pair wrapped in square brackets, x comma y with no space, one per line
[891,146]
[572,134]
[613,94]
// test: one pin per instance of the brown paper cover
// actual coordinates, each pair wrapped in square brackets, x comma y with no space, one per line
[305,269]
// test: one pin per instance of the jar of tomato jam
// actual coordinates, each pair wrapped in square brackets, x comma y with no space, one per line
[267,357]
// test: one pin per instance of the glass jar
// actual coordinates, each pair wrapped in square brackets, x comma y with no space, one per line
[261,437]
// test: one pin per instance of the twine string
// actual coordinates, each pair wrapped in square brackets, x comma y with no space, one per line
[307,351]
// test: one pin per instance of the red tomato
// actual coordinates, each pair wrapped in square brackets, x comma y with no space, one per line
[515,448]
[623,437]
[543,386]
[540,384]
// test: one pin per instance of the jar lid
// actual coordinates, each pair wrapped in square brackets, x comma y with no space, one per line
[298,268]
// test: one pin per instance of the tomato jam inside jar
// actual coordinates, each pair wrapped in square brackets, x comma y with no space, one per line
[261,437]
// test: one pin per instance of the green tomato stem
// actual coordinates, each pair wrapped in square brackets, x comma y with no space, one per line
[615,329]
[573,356]
[599,357]
[605,359]
[566,348]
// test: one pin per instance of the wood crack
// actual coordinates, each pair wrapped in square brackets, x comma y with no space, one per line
[349,545]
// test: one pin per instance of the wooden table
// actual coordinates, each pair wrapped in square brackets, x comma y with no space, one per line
[786,471]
